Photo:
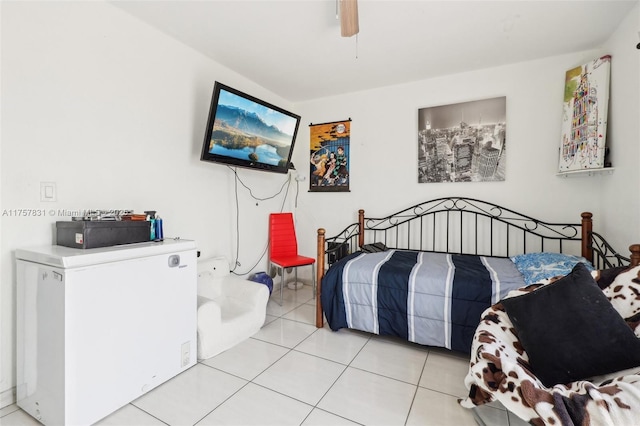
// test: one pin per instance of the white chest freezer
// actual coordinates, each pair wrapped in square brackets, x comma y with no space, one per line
[97,328]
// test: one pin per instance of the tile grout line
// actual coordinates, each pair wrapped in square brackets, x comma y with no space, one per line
[415,394]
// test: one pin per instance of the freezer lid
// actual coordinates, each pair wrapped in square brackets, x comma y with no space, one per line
[67,257]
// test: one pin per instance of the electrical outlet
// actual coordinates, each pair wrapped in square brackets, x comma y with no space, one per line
[186,353]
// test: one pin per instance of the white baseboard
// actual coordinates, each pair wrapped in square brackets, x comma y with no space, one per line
[8,397]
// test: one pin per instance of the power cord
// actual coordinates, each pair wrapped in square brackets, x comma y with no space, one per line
[235,172]
[237,179]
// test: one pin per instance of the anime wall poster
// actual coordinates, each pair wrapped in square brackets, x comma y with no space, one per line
[584,116]
[329,156]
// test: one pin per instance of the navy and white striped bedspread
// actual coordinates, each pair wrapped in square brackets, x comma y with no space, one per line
[433,299]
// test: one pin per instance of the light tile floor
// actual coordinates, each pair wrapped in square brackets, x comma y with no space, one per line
[291,373]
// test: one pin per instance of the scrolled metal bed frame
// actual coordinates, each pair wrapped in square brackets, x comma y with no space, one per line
[467,226]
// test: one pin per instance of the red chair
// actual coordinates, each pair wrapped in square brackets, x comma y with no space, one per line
[283,248]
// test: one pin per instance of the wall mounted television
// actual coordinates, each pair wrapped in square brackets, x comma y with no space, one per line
[245,131]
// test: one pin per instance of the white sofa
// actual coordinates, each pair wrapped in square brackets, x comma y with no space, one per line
[230,309]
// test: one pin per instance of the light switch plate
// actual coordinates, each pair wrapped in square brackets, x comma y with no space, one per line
[48,191]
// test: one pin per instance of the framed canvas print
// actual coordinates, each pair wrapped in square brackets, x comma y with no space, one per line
[462,142]
[584,116]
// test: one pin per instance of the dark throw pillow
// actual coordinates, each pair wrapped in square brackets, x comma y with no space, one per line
[571,331]
[605,277]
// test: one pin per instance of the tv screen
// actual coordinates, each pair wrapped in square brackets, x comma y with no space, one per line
[247,132]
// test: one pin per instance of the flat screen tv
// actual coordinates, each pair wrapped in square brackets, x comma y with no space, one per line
[245,131]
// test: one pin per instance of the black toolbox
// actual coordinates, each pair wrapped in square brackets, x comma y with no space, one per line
[87,234]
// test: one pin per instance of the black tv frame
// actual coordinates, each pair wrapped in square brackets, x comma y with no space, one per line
[255,104]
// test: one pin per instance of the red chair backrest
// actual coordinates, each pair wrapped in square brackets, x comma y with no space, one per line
[282,235]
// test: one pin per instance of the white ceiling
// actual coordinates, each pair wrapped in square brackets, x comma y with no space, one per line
[294,48]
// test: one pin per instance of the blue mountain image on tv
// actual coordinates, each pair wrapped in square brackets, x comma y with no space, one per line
[264,153]
[244,135]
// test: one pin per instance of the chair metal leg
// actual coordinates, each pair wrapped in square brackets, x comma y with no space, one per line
[281,284]
[313,278]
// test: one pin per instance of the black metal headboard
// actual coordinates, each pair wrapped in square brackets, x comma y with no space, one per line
[470,226]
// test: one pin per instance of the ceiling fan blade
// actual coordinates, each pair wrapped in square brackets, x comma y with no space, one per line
[349,18]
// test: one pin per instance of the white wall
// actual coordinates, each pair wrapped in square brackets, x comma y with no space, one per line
[5,373]
[114,113]
[383,163]
[620,195]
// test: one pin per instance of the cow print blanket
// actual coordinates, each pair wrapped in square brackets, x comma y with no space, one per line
[499,368]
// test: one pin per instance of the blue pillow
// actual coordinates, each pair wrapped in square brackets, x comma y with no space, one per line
[536,267]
